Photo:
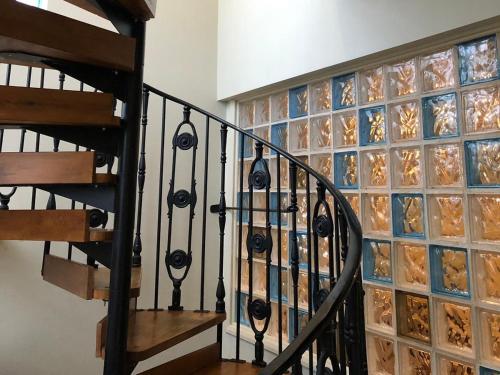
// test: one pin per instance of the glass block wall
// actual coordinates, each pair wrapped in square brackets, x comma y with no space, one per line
[415,147]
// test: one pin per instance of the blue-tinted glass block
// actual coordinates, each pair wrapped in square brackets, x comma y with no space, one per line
[478,60]
[346,174]
[440,117]
[344,91]
[372,126]
[377,260]
[488,371]
[450,271]
[275,284]
[244,320]
[302,245]
[303,320]
[274,206]
[408,215]
[298,102]
[279,136]
[247,145]
[482,160]
[246,204]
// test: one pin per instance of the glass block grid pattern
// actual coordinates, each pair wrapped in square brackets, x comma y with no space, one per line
[415,147]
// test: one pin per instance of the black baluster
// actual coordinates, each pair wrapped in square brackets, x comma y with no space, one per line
[37,140]
[204,224]
[278,222]
[240,246]
[309,266]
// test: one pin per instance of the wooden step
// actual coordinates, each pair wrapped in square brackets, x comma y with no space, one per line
[27,30]
[229,367]
[82,280]
[50,168]
[142,9]
[153,331]
[34,107]
[50,225]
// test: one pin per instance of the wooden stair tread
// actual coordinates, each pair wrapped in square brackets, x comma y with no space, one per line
[229,367]
[45,107]
[28,30]
[82,280]
[142,9]
[50,168]
[151,332]
[50,225]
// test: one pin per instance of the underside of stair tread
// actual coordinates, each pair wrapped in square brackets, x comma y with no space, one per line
[50,168]
[153,331]
[27,30]
[142,9]
[23,106]
[229,367]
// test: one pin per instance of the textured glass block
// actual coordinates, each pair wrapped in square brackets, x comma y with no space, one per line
[259,202]
[381,356]
[372,126]
[244,318]
[411,269]
[402,79]
[345,127]
[446,217]
[303,250]
[321,133]
[413,316]
[374,172]
[344,91]
[405,121]
[262,111]
[279,106]
[247,144]
[478,60]
[346,170]
[414,360]
[299,136]
[283,204]
[301,173]
[483,162]
[379,309]
[275,285]
[283,177]
[259,279]
[406,167]
[482,110]
[377,214]
[439,114]
[303,290]
[276,249]
[450,271]
[323,164]
[302,209]
[438,70]
[444,165]
[454,327]
[321,97]
[377,260]
[247,165]
[371,85]
[274,329]
[279,136]
[487,276]
[490,336]
[263,132]
[298,102]
[485,217]
[408,215]
[449,366]
[488,371]
[246,114]
[245,274]
[353,200]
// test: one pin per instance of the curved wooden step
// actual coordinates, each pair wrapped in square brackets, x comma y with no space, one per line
[27,30]
[142,9]
[229,367]
[32,107]
[153,331]
[50,168]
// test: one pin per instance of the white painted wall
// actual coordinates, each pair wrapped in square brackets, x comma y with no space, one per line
[47,331]
[263,42]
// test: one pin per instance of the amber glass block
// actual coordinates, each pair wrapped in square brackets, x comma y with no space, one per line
[371,85]
[448,366]
[444,165]
[345,129]
[454,271]
[301,173]
[262,111]
[321,133]
[321,96]
[454,326]
[246,114]
[407,167]
[438,70]
[374,169]
[259,279]
[350,169]
[380,308]
[263,132]
[488,162]
[283,173]
[446,214]
[279,106]
[244,275]
[412,215]
[353,200]
[302,206]
[490,336]
[488,276]
[414,361]
[303,290]
[299,135]
[381,259]
[382,358]
[412,265]
[402,79]
[323,164]
[405,121]
[259,201]
[485,217]
[284,246]
[273,329]
[482,110]
[377,209]
[413,316]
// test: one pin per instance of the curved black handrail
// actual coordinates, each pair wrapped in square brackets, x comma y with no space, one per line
[349,274]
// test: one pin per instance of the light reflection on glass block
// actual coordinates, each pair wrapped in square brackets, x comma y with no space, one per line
[344,91]
[283,199]
[446,216]
[298,105]
[302,212]
[274,284]
[449,271]
[414,361]
[405,121]
[376,217]
[413,316]
[379,308]
[439,115]
[276,249]
[485,217]
[381,356]
[411,265]
[279,106]
[407,167]
[279,136]
[490,336]
[301,173]
[321,97]
[321,133]
[408,215]
[444,165]
[488,276]
[262,111]
[263,132]
[483,162]
[299,135]
[371,85]
[323,164]
[402,79]
[454,326]
[259,279]
[372,126]
[478,60]
[283,173]
[448,366]
[346,170]
[438,70]
[304,253]
[482,110]
[353,200]
[246,114]
[345,126]
[377,260]
[374,169]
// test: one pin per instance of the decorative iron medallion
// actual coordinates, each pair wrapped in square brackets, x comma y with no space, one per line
[322,226]
[259,243]
[259,180]
[182,198]
[259,309]
[185,141]
[98,218]
[178,259]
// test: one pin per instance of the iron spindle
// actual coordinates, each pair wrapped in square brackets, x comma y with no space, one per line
[240,245]
[309,266]
[278,222]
